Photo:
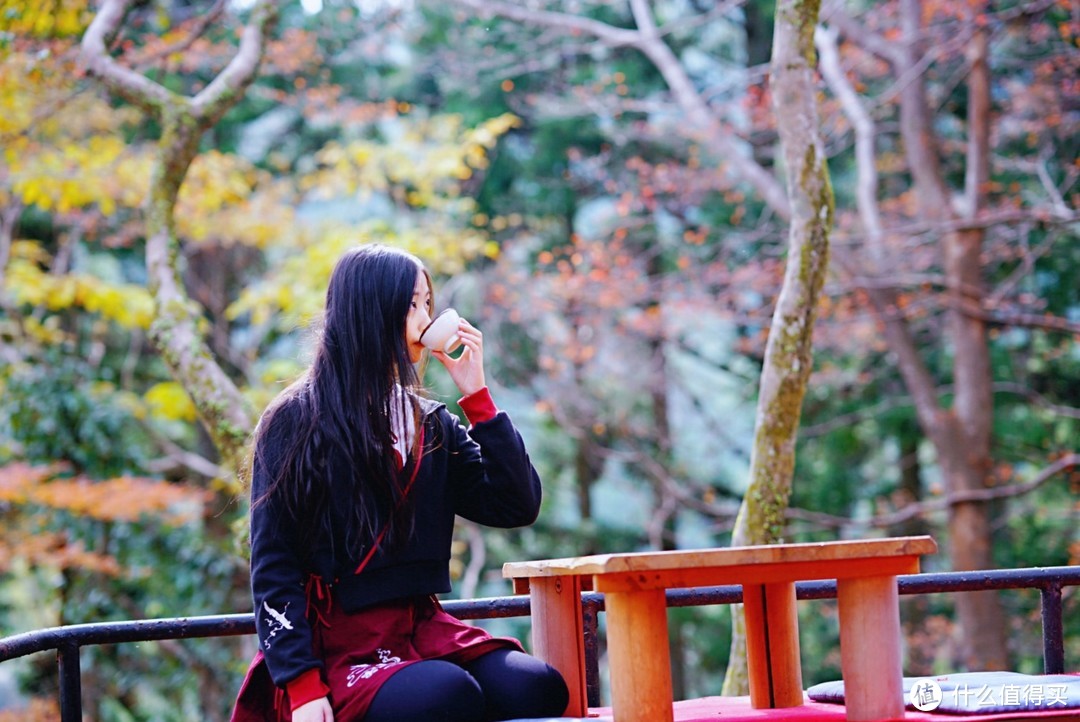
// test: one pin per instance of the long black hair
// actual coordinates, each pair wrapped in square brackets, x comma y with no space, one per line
[341,407]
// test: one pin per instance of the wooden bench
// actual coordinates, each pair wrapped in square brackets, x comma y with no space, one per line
[639,661]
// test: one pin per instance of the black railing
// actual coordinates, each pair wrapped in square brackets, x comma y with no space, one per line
[68,640]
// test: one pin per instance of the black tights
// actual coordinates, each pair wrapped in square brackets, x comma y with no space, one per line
[499,685]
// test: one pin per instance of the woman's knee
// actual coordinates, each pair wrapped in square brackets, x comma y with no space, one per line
[428,691]
[516,684]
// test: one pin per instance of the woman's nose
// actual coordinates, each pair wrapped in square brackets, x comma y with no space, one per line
[423,319]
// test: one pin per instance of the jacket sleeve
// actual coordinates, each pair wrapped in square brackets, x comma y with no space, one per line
[277,577]
[493,479]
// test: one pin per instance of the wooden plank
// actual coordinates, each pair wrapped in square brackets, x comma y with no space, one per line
[754,573]
[758,672]
[558,635]
[639,657]
[870,653]
[783,620]
[721,557]
[772,645]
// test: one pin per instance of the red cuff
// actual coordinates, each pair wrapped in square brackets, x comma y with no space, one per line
[305,688]
[478,406]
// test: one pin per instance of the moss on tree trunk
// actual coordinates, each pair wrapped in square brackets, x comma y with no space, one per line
[788,352]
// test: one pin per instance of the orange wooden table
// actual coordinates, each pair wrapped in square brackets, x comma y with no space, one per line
[639,661]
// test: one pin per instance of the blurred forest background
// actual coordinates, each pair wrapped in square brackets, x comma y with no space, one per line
[596,184]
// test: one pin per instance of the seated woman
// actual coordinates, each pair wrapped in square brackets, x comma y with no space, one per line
[356,481]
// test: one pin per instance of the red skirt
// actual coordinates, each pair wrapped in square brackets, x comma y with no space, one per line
[361,651]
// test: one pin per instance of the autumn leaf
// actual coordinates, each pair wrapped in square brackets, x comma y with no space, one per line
[44,18]
[124,498]
[54,550]
[18,478]
[168,400]
[128,305]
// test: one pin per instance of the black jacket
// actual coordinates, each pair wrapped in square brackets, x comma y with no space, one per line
[483,474]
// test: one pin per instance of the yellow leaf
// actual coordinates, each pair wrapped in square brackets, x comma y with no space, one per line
[169,400]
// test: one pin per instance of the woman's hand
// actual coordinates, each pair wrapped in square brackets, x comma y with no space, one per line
[317,710]
[467,370]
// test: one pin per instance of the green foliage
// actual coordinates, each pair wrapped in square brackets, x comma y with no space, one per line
[57,411]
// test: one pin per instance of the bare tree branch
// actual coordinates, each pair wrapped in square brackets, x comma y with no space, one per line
[915,128]
[919,509]
[1071,412]
[1024,9]
[611,36]
[866,184]
[684,492]
[977,166]
[917,377]
[1046,322]
[985,220]
[649,41]
[896,402]
[718,10]
[229,85]
[1057,200]
[877,44]
[178,457]
[125,82]
[200,26]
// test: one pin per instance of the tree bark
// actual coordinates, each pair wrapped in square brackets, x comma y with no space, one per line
[175,330]
[982,619]
[960,435]
[788,351]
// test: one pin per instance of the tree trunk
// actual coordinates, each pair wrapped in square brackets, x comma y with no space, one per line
[961,436]
[588,455]
[788,352]
[175,331]
[982,619]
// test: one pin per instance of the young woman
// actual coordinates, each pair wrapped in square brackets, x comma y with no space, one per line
[356,480]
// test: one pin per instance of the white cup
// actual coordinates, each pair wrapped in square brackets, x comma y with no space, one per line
[442,333]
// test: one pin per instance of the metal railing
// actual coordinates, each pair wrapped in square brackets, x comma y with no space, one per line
[68,640]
